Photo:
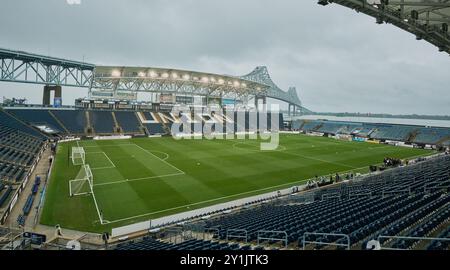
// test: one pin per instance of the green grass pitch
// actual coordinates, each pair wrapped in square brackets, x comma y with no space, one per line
[140,179]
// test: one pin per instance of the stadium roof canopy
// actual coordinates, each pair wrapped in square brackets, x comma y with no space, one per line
[164,80]
[426,19]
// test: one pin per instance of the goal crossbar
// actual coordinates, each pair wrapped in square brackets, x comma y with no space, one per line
[78,156]
[84,182]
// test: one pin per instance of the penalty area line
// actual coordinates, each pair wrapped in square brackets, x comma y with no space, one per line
[230,196]
[105,145]
[139,179]
[109,159]
[235,195]
[96,207]
[145,150]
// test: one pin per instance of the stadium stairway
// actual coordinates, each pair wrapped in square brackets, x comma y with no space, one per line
[423,228]
[167,127]
[360,217]
[405,133]
[73,120]
[412,136]
[159,127]
[413,214]
[141,118]
[319,126]
[129,122]
[146,131]
[89,129]
[30,220]
[148,243]
[12,121]
[59,122]
[38,117]
[439,244]
[443,140]
[117,128]
[156,117]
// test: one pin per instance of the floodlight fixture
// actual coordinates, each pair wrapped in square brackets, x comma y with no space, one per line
[116,73]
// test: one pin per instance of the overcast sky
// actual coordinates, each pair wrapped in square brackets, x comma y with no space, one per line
[339,60]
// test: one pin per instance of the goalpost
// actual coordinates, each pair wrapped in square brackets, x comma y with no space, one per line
[83,184]
[78,156]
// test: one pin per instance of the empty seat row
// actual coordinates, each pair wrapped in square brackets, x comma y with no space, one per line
[415,134]
[4,195]
[38,117]
[128,121]
[361,218]
[194,244]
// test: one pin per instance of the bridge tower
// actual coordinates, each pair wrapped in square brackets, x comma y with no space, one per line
[57,89]
[257,103]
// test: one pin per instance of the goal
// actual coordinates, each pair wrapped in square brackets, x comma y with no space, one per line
[78,156]
[83,184]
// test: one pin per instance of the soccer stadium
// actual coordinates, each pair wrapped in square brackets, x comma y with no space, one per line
[209,162]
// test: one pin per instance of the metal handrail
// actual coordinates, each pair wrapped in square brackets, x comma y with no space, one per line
[304,241]
[208,230]
[285,239]
[245,236]
[408,237]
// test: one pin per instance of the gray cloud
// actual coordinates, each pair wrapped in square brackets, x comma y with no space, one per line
[338,60]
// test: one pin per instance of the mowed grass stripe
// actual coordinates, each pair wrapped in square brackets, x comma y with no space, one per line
[131,163]
[215,172]
[98,160]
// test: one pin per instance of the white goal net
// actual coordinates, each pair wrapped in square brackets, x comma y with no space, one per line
[84,182]
[78,156]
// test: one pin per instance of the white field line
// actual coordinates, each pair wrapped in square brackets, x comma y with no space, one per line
[93,197]
[207,201]
[285,150]
[371,148]
[106,167]
[102,168]
[382,147]
[109,160]
[111,183]
[225,197]
[96,207]
[95,201]
[160,159]
[235,195]
[107,145]
[180,172]
[294,154]
[138,179]
[167,155]
[318,159]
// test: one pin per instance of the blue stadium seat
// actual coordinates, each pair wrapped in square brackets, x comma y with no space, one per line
[73,120]
[36,117]
[102,121]
[128,121]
